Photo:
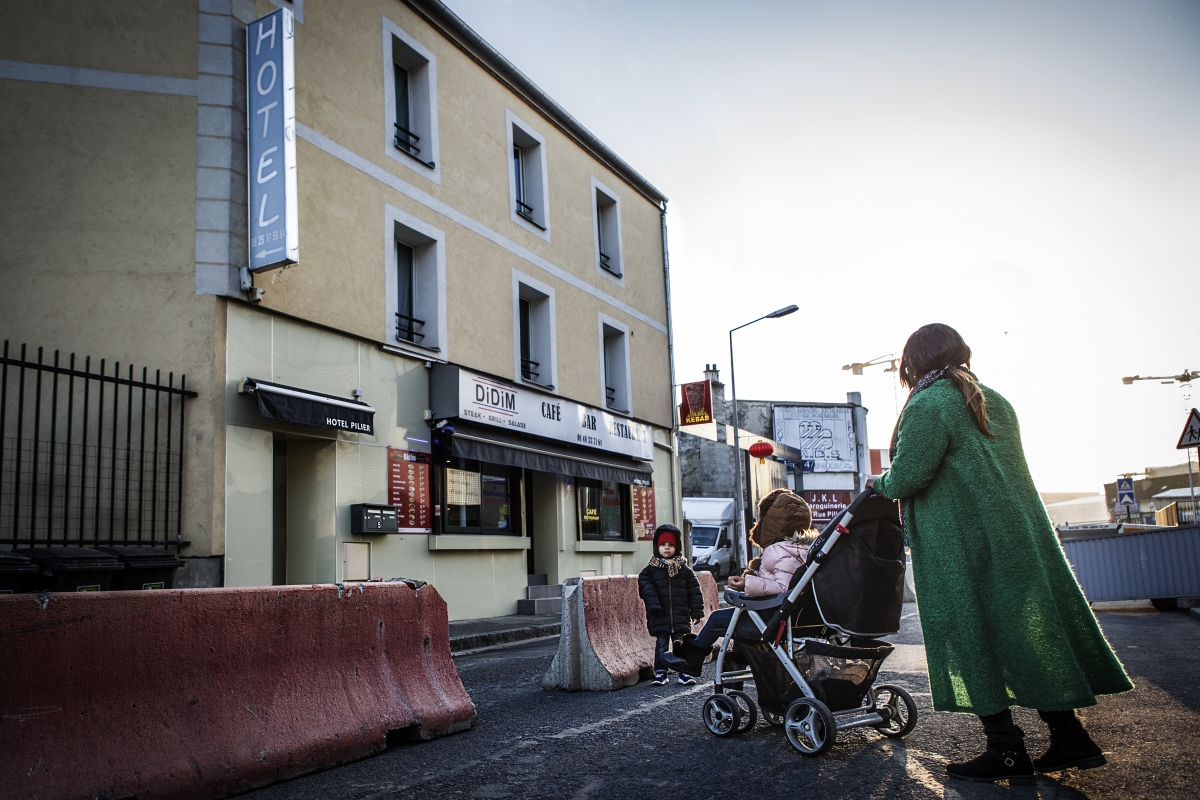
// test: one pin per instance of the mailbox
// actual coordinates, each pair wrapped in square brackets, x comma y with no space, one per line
[371,518]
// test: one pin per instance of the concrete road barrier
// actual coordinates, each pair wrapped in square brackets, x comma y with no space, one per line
[604,644]
[202,693]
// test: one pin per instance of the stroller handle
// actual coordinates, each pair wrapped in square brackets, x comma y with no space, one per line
[774,625]
[862,497]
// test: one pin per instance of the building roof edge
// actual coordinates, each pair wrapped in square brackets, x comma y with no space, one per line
[441,15]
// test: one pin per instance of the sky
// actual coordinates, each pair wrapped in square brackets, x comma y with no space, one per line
[1027,172]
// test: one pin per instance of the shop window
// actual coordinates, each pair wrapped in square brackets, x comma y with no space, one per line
[604,510]
[480,498]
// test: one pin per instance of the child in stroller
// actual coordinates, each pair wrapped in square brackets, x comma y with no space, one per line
[815,658]
[783,533]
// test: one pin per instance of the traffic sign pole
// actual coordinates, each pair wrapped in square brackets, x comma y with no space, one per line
[1188,440]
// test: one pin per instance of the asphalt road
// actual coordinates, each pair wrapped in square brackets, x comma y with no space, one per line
[648,741]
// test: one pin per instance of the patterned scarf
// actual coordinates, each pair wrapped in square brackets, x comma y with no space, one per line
[671,565]
[926,381]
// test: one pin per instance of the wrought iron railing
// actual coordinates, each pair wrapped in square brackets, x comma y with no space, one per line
[606,263]
[529,369]
[406,328]
[526,211]
[406,141]
[87,457]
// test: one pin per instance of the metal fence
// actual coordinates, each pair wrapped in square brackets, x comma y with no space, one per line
[89,457]
[1135,566]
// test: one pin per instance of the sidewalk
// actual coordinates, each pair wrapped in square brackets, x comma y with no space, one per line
[474,634]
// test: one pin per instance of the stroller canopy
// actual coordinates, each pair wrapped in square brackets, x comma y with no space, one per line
[859,589]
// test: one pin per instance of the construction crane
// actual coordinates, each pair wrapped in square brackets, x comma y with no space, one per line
[890,359]
[893,366]
[1187,376]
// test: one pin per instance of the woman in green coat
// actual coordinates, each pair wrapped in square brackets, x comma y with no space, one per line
[1004,620]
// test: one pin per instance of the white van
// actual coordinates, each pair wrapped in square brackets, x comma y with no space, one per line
[712,533]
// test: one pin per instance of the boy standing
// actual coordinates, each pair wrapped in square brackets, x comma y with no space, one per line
[672,596]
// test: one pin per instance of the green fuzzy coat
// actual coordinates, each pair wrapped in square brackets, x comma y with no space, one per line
[1004,619]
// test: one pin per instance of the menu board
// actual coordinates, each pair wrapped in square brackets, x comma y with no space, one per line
[644,519]
[408,489]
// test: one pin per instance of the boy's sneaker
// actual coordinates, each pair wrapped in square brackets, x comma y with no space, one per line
[686,680]
[660,679]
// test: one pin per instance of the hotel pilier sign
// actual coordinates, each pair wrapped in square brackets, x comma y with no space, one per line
[490,402]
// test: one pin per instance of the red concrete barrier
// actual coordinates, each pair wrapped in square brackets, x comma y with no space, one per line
[604,643]
[201,693]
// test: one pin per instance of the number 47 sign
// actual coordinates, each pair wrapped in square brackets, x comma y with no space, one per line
[1191,432]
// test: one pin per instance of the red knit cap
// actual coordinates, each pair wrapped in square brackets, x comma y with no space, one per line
[667,531]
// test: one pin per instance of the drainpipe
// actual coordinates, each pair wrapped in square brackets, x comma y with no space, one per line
[677,511]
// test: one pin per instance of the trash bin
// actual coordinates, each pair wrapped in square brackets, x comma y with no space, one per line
[145,567]
[18,573]
[73,569]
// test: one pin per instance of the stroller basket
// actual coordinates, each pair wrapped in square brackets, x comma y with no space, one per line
[839,676]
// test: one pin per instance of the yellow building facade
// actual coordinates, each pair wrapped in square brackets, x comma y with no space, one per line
[477,275]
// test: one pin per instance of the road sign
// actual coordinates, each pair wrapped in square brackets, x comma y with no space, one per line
[1191,432]
[1125,492]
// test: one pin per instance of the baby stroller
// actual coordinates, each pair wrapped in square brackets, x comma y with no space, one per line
[815,656]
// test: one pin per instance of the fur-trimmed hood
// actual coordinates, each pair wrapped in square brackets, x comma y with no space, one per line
[782,514]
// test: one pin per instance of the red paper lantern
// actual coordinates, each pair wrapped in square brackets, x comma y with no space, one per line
[761,450]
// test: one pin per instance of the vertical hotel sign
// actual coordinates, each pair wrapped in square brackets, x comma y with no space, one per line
[271,141]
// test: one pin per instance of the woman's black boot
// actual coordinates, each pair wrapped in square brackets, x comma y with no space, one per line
[1070,745]
[1004,759]
[682,665]
[697,657]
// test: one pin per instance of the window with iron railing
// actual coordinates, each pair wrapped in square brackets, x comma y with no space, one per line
[527,176]
[534,333]
[615,360]
[529,367]
[413,96]
[523,208]
[407,326]
[608,230]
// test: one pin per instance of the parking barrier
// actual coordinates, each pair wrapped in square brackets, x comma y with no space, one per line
[201,693]
[604,644]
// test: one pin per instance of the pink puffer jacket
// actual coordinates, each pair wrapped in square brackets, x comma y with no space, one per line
[779,562]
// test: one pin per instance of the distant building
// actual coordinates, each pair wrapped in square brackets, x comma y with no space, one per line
[1148,491]
[819,450]
[1082,508]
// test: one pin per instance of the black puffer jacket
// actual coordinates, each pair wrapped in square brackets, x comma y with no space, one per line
[671,603]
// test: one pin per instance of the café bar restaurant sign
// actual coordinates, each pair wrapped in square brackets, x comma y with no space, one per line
[271,141]
[483,400]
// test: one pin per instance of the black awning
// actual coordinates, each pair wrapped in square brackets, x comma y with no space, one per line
[515,450]
[302,406]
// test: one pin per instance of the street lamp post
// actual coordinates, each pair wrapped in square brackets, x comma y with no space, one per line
[743,546]
[1185,378]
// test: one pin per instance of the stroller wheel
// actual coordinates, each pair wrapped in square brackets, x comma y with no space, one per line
[747,707]
[773,718]
[900,710]
[722,715]
[809,726]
